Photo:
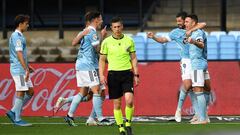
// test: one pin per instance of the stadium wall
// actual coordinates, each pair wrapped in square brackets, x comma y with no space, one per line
[156,95]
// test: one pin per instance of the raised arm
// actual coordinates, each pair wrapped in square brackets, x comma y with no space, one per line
[78,38]
[198,26]
[158,39]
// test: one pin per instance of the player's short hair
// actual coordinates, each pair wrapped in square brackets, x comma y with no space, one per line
[182,14]
[116,19]
[90,16]
[87,17]
[21,18]
[193,17]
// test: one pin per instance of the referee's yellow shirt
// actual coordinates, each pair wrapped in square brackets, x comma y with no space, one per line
[118,52]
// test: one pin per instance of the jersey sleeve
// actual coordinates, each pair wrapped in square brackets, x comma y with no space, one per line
[17,42]
[198,35]
[132,46]
[104,48]
[94,39]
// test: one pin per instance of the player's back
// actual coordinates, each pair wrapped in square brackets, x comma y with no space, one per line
[17,42]
[87,58]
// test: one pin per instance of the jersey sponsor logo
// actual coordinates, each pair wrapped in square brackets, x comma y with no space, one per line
[19,43]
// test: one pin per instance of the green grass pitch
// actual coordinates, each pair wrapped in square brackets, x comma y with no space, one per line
[56,126]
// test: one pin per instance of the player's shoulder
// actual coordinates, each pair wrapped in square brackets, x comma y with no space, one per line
[16,34]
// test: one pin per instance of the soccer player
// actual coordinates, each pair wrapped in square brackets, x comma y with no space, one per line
[119,50]
[198,55]
[86,73]
[92,119]
[20,70]
[179,35]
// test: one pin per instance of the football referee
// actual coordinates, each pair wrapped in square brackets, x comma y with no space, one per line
[119,50]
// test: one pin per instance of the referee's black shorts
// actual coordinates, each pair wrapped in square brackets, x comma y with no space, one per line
[119,82]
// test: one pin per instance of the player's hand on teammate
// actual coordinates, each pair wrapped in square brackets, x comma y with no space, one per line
[188,33]
[85,31]
[190,40]
[150,34]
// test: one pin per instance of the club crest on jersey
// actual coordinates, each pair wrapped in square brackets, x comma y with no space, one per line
[19,43]
[95,37]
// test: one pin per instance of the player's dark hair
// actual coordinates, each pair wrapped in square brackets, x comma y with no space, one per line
[90,16]
[20,19]
[87,17]
[182,14]
[193,17]
[116,19]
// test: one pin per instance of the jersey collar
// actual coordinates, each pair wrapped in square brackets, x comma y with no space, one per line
[18,31]
[91,27]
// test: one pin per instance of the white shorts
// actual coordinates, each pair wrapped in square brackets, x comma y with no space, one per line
[87,78]
[198,77]
[21,84]
[186,68]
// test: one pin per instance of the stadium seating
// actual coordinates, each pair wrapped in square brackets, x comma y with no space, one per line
[212,48]
[234,33]
[238,46]
[172,51]
[228,48]
[217,34]
[155,51]
[140,47]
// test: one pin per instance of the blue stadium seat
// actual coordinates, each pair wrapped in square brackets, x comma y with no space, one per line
[172,51]
[227,46]
[234,33]
[155,50]
[212,50]
[143,34]
[217,34]
[212,47]
[140,47]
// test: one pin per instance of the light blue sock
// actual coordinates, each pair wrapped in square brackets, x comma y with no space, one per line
[181,99]
[75,102]
[207,97]
[17,108]
[69,99]
[26,98]
[194,102]
[97,105]
[93,114]
[201,105]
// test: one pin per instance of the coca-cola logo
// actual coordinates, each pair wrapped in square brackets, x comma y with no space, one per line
[49,84]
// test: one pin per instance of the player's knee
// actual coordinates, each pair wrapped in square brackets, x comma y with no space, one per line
[117,104]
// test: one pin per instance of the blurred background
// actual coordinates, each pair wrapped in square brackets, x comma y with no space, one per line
[54,23]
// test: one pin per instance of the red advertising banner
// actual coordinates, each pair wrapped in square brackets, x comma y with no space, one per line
[156,95]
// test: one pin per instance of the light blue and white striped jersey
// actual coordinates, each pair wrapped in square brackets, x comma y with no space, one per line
[17,42]
[198,55]
[178,35]
[87,58]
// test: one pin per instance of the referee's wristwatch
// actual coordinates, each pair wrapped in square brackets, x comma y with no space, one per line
[136,75]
